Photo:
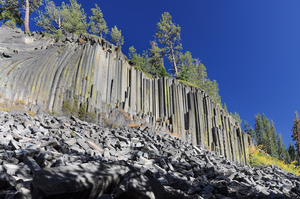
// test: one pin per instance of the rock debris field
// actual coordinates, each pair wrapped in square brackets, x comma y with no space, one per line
[60,157]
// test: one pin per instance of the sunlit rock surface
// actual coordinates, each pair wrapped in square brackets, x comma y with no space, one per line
[45,74]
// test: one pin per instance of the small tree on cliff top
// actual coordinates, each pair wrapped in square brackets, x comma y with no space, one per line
[116,36]
[168,34]
[156,61]
[97,23]
[50,20]
[74,17]
[296,135]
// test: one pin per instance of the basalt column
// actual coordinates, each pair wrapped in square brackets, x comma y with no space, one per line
[93,73]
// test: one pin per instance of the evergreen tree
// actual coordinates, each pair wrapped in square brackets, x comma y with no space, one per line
[296,135]
[29,6]
[287,157]
[280,147]
[259,130]
[201,73]
[50,20]
[168,34]
[164,73]
[116,36]
[187,68]
[132,50]
[267,134]
[141,60]
[249,130]
[292,152]
[237,117]
[10,14]
[97,23]
[225,108]
[156,61]
[273,140]
[74,18]
[212,89]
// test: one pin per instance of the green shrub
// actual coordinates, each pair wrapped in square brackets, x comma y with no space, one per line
[75,107]
[82,112]
[66,107]
[58,35]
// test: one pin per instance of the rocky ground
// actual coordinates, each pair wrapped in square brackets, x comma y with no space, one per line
[59,157]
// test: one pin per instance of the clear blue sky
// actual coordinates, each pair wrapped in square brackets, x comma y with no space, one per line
[252,48]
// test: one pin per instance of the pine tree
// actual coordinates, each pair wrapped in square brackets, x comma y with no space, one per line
[237,117]
[140,60]
[201,73]
[292,152]
[287,157]
[156,61]
[97,23]
[29,6]
[50,20]
[296,135]
[212,89]
[74,18]
[225,108]
[10,14]
[187,68]
[259,130]
[132,50]
[249,130]
[168,34]
[280,147]
[267,134]
[116,36]
[273,140]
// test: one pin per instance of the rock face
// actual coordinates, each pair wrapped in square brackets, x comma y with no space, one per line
[45,74]
[57,157]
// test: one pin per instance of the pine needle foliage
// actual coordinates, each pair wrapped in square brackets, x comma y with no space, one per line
[296,135]
[168,35]
[97,23]
[10,14]
[74,17]
[116,36]
[49,20]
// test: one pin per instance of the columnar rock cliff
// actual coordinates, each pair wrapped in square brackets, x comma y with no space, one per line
[45,74]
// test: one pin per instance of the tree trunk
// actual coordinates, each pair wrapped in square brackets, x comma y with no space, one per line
[59,22]
[26,19]
[174,62]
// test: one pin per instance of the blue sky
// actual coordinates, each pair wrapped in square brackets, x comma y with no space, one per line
[252,48]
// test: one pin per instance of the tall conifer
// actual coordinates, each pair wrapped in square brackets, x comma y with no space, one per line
[97,23]
[266,134]
[273,140]
[296,135]
[259,129]
[281,150]
[168,34]
[249,130]
[292,152]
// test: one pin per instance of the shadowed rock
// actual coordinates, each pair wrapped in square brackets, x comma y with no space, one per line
[88,180]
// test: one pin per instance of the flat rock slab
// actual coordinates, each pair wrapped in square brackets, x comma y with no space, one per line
[88,180]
